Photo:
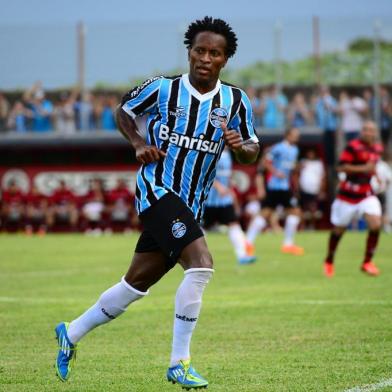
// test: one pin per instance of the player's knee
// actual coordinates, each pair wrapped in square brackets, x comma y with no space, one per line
[204,260]
[138,280]
[375,225]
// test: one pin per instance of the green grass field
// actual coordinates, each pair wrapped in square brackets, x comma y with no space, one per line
[277,325]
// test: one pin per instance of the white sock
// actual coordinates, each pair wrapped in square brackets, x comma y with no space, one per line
[111,304]
[237,238]
[290,228]
[187,309]
[255,228]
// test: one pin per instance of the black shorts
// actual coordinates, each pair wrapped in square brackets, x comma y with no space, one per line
[222,215]
[169,226]
[274,199]
[308,200]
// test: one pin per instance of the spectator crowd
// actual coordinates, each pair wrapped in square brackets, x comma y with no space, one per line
[94,212]
[71,111]
[68,113]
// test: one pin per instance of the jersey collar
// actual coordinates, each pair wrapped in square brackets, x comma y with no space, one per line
[195,93]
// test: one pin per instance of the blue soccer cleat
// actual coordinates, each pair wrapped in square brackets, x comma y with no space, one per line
[246,260]
[186,376]
[67,352]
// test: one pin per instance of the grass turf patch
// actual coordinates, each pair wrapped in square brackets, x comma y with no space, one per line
[277,325]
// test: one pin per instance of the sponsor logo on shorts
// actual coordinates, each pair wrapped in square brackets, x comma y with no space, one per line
[178,229]
[185,318]
[217,116]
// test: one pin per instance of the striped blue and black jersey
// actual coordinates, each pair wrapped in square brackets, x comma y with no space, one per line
[187,126]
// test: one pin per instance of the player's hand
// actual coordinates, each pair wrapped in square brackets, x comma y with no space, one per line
[148,154]
[232,138]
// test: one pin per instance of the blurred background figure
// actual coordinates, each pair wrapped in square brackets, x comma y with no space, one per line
[256,105]
[353,110]
[312,184]
[93,208]
[19,118]
[326,109]
[108,122]
[84,113]
[380,183]
[41,108]
[282,185]
[63,208]
[4,111]
[299,113]
[219,208]
[386,121]
[12,207]
[64,113]
[121,210]
[36,211]
[255,194]
[274,105]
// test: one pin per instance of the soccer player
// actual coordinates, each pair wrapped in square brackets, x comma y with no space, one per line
[281,166]
[355,196]
[191,118]
[220,208]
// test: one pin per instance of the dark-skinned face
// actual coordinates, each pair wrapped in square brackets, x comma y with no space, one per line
[369,132]
[206,59]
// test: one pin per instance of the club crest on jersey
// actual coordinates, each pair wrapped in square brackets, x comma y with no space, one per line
[217,116]
[178,229]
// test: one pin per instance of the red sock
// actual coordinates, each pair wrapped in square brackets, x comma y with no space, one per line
[371,245]
[332,245]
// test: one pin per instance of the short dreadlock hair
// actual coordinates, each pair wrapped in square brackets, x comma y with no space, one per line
[217,26]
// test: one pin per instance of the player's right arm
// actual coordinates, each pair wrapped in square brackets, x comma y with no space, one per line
[368,167]
[269,166]
[139,101]
[144,153]
[346,163]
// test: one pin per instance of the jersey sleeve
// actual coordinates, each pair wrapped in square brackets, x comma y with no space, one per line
[272,152]
[142,99]
[347,155]
[243,120]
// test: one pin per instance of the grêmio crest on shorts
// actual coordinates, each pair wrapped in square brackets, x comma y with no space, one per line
[187,126]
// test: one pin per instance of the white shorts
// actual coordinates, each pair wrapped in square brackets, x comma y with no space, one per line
[253,207]
[342,212]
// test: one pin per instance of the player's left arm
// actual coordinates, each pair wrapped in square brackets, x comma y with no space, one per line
[243,140]
[244,151]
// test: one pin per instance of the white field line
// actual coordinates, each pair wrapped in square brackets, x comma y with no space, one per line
[212,302]
[372,387]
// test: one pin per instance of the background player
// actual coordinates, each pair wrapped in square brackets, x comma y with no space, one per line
[355,197]
[220,208]
[281,166]
[187,117]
